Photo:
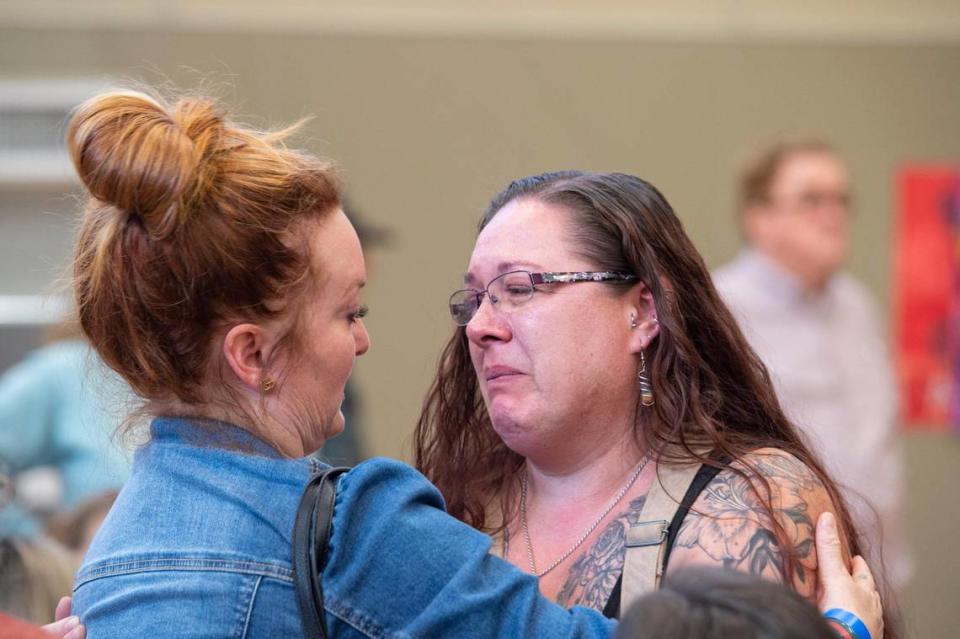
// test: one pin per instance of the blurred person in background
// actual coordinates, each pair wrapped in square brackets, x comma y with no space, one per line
[75,528]
[59,408]
[34,575]
[818,332]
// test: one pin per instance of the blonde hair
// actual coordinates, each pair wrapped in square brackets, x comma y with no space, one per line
[34,575]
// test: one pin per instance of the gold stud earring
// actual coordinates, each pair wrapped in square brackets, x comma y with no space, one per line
[267,384]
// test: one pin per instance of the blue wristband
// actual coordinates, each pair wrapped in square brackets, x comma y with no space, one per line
[850,620]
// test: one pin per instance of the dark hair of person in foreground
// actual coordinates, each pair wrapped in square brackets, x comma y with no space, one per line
[722,604]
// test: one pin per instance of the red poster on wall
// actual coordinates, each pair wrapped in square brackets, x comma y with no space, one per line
[927,296]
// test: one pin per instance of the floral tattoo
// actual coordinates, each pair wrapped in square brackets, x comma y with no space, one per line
[595,573]
[730,526]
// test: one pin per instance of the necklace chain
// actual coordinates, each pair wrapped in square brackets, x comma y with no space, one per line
[526,532]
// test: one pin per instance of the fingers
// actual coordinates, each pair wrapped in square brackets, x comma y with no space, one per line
[64,627]
[862,574]
[878,611]
[77,633]
[850,589]
[879,606]
[63,608]
[863,577]
[829,551]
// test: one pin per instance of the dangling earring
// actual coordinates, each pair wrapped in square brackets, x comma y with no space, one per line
[267,384]
[646,391]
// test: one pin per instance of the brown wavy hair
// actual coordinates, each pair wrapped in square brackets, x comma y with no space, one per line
[712,391]
[191,223]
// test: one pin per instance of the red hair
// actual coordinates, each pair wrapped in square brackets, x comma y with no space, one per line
[188,226]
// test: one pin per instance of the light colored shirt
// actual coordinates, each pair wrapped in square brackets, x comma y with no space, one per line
[829,363]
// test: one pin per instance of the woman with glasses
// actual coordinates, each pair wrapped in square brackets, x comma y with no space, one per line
[217,273]
[598,411]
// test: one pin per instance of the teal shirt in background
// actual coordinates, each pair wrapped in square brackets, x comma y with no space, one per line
[60,407]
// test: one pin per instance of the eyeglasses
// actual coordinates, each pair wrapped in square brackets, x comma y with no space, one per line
[513,289]
[811,201]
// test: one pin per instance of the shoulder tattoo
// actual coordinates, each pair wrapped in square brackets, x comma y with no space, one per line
[731,526]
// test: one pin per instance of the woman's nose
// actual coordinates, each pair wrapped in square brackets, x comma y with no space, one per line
[362,340]
[488,323]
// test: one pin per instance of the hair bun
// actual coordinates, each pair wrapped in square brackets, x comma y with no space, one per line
[134,153]
[202,122]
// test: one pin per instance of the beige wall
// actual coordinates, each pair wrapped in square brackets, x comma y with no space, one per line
[429,126]
[861,20]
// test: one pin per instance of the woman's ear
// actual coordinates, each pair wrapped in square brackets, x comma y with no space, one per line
[644,326]
[247,349]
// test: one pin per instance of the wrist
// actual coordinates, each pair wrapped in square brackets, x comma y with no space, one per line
[840,629]
[850,623]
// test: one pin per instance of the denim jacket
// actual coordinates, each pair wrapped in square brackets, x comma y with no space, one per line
[198,545]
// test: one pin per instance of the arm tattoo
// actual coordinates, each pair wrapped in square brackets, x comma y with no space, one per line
[595,573]
[731,526]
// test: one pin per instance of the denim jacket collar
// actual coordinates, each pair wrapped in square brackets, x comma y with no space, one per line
[206,432]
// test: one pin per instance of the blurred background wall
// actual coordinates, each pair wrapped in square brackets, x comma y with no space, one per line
[431,107]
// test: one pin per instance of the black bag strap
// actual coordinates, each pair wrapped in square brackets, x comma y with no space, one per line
[311,535]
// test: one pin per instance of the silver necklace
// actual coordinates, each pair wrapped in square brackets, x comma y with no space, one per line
[526,532]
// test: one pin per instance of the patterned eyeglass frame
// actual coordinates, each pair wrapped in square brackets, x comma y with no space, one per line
[542,278]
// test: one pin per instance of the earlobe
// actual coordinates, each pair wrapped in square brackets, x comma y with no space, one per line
[246,350]
[644,325]
[643,331]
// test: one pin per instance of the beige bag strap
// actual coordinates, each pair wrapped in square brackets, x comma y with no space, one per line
[647,534]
